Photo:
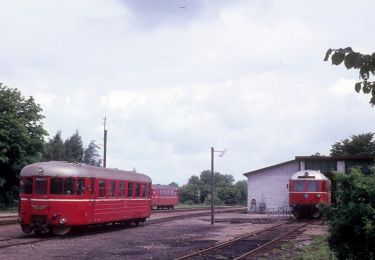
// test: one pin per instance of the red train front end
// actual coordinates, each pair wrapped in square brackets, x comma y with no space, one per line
[307,189]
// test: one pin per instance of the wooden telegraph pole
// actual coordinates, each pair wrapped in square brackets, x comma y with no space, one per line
[105,144]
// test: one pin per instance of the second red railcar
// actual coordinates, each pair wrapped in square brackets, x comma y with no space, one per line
[164,196]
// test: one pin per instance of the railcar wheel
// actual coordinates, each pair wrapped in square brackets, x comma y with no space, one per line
[317,214]
[60,230]
[296,214]
[26,229]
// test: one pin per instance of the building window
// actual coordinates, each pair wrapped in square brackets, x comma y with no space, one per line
[322,166]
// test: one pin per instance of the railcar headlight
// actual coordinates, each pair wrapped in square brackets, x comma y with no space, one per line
[318,195]
[62,221]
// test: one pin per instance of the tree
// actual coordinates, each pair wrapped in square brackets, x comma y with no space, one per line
[21,139]
[173,184]
[363,62]
[242,188]
[91,155]
[198,189]
[362,144]
[54,150]
[74,148]
[352,219]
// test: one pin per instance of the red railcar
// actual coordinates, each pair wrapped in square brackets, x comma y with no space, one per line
[306,190]
[56,196]
[164,196]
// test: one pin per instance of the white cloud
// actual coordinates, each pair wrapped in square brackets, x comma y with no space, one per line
[244,75]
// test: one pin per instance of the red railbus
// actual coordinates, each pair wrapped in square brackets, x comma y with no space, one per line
[307,189]
[164,196]
[57,196]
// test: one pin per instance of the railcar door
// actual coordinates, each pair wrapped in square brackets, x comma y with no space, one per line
[91,200]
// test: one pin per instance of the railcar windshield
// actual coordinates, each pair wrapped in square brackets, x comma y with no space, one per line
[26,185]
[41,185]
[313,186]
[299,186]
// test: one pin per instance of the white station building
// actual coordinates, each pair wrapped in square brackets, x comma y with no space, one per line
[267,188]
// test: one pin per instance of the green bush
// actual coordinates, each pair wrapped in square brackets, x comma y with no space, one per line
[352,219]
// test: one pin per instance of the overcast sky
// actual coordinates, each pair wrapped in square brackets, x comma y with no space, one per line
[177,77]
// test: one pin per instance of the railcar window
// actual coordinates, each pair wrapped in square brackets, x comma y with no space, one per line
[313,186]
[56,186]
[92,185]
[26,185]
[102,188]
[130,189]
[69,186]
[40,185]
[137,190]
[299,186]
[122,190]
[145,190]
[112,188]
[80,186]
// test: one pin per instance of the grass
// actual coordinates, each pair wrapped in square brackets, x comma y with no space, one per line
[318,249]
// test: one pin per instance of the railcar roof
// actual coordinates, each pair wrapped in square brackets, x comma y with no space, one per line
[164,187]
[65,169]
[308,173]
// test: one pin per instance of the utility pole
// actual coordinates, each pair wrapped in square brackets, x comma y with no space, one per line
[105,144]
[212,187]
[213,182]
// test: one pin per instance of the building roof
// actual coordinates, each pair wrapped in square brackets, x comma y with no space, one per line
[269,167]
[335,158]
[316,158]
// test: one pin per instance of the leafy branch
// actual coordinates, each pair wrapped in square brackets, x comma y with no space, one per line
[354,60]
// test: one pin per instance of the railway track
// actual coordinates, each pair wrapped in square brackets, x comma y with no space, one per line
[32,239]
[23,240]
[245,246]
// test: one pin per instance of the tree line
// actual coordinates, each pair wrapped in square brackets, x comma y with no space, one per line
[22,142]
[198,190]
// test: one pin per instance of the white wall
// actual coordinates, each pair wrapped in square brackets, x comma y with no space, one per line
[271,186]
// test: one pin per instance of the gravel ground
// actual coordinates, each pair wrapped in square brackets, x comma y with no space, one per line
[165,240]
